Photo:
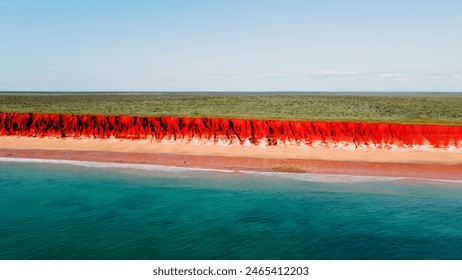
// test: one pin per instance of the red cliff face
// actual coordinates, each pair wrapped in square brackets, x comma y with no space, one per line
[272,132]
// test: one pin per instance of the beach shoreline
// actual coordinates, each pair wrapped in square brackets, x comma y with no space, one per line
[404,162]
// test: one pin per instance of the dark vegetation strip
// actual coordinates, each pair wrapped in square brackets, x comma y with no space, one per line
[395,108]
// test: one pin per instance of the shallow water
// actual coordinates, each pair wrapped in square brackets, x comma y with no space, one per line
[62,211]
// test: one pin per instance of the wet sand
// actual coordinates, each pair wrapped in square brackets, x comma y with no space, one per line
[402,162]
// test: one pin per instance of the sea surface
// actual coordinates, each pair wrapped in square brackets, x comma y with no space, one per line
[60,210]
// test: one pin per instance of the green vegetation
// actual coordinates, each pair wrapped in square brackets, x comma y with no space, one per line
[423,108]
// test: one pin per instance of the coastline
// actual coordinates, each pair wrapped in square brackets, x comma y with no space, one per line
[404,162]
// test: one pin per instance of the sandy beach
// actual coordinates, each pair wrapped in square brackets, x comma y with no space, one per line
[401,162]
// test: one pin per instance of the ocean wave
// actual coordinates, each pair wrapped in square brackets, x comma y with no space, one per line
[93,164]
[327,178]
[340,178]
[308,177]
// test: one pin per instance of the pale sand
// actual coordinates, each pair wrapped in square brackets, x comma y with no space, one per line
[401,155]
[406,162]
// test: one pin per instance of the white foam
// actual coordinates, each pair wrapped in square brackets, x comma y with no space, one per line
[92,164]
[339,178]
[327,178]
[308,177]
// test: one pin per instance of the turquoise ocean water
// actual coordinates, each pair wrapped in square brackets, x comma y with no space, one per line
[97,211]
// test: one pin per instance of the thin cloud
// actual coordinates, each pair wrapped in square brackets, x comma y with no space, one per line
[422,77]
[432,78]
[392,76]
[275,75]
[410,77]
[334,73]
[226,75]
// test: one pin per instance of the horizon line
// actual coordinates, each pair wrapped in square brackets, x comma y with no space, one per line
[215,91]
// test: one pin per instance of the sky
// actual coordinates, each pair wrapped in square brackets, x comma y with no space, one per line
[331,45]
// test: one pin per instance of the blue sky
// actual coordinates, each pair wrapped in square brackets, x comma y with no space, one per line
[231,45]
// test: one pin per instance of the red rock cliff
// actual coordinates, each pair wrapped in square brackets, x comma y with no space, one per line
[256,132]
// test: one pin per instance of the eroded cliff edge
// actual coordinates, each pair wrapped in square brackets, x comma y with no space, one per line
[232,131]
